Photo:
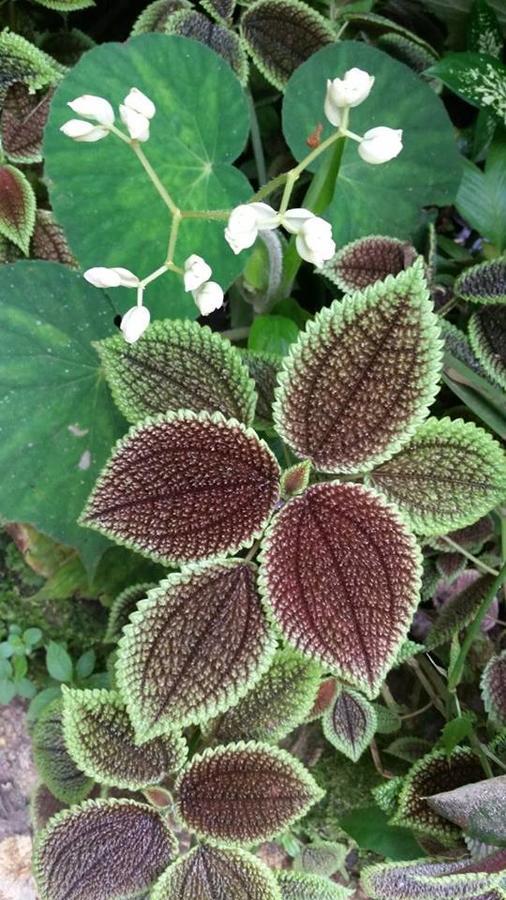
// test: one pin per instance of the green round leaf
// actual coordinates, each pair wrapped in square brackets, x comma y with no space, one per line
[58,662]
[110,210]
[384,199]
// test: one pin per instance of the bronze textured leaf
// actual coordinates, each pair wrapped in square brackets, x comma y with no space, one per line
[192,24]
[349,723]
[102,850]
[48,240]
[22,123]
[122,608]
[484,283]
[295,886]
[56,767]
[359,381]
[156,15]
[342,573]
[263,368]
[185,487]
[493,688]
[487,334]
[458,612]
[433,879]
[17,207]
[194,647]
[244,793]
[212,873]
[367,260]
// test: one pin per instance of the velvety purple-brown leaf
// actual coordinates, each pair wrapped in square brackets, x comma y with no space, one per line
[185,487]
[342,575]
[349,723]
[244,793]
[212,873]
[102,850]
[22,123]
[324,698]
[368,260]
[433,879]
[459,611]
[49,241]
[471,537]
[17,207]
[487,334]
[493,688]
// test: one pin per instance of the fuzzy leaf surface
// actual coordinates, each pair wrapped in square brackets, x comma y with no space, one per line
[295,886]
[430,879]
[219,9]
[263,368]
[458,612]
[324,698]
[484,283]
[101,739]
[55,765]
[185,487]
[102,850]
[22,61]
[122,608]
[281,699]
[66,6]
[471,537]
[211,873]
[282,34]
[487,333]
[157,14]
[360,379]
[493,688]
[192,24]
[342,573]
[367,260]
[48,241]
[433,774]
[194,647]
[177,365]
[349,723]
[479,809]
[244,793]
[321,858]
[22,123]
[43,806]
[450,474]
[17,207]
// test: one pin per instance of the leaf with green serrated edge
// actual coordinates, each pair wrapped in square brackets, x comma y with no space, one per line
[432,879]
[48,241]
[48,317]
[493,688]
[449,475]
[387,720]
[487,333]
[384,199]
[102,850]
[244,793]
[367,260]
[279,701]
[407,51]
[210,873]
[263,368]
[326,693]
[192,24]
[373,23]
[54,763]
[295,886]
[156,15]
[21,61]
[219,9]
[408,749]
[387,793]
[349,723]
[43,806]
[122,608]
[66,6]
[407,650]
[435,773]
[484,32]
[484,283]
[471,537]
[360,379]
[449,565]
[100,738]
[282,34]
[476,77]
[194,647]
[177,365]
[321,858]
[185,487]
[200,127]
[342,573]
[295,479]
[22,123]
[17,207]
[457,343]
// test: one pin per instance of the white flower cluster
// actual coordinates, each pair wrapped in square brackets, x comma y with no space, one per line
[135,112]
[208,295]
[313,235]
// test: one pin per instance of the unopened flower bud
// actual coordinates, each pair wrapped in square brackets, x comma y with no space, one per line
[138,101]
[351,90]
[104,277]
[380,144]
[246,221]
[136,124]
[134,323]
[314,241]
[79,130]
[92,107]
[196,272]
[208,297]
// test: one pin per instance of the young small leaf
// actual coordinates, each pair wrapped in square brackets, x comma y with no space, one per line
[484,283]
[279,701]
[458,612]
[342,574]
[370,259]
[487,334]
[324,698]
[210,873]
[101,740]
[22,123]
[177,365]
[430,879]
[58,662]
[244,793]
[295,479]
[282,34]
[157,14]
[360,379]
[295,886]
[321,858]
[192,24]
[449,475]
[66,6]
[263,368]
[219,9]
[48,240]
[196,645]
[349,723]
[102,850]
[55,765]
[17,207]
[435,773]
[122,608]
[493,688]
[185,487]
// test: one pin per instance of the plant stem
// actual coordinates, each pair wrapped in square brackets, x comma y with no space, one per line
[447,306]
[153,177]
[270,187]
[478,749]
[236,334]
[413,664]
[176,221]
[474,559]
[220,214]
[458,667]
[256,142]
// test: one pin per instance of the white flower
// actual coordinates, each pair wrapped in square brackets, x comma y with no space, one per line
[196,272]
[138,101]
[293,219]
[246,221]
[380,144]
[314,241]
[134,323]
[103,277]
[79,130]
[351,90]
[208,297]
[137,125]
[92,107]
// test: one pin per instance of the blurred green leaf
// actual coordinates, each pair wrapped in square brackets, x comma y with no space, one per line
[41,701]
[272,334]
[32,636]
[369,827]
[7,691]
[85,664]
[58,662]
[481,198]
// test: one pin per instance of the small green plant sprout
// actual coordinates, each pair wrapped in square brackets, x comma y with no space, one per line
[15,653]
